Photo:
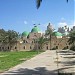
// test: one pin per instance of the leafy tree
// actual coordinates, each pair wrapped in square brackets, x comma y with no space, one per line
[72,39]
[11,37]
[38,3]
[2,35]
[8,37]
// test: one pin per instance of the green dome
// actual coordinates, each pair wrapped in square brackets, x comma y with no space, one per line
[57,34]
[35,29]
[25,33]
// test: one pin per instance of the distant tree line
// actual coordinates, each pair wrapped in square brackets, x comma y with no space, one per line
[72,40]
[9,36]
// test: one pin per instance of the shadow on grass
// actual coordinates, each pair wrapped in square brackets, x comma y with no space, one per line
[37,71]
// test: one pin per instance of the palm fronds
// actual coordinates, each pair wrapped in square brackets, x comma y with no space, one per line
[38,2]
[67,1]
[72,37]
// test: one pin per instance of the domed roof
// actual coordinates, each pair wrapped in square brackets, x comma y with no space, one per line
[25,33]
[35,29]
[57,34]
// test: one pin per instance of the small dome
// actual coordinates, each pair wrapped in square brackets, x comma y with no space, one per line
[25,33]
[35,29]
[57,34]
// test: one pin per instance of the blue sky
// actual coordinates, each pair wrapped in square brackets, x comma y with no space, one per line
[20,15]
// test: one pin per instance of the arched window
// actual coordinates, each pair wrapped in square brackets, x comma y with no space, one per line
[24,41]
[15,47]
[39,47]
[24,47]
[47,47]
[67,47]
[32,41]
[8,47]
[56,47]
[30,47]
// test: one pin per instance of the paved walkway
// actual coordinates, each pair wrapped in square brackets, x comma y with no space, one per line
[44,64]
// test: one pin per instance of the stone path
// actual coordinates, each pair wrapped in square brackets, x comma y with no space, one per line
[67,61]
[44,64]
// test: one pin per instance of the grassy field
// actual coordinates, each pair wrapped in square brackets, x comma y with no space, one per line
[10,59]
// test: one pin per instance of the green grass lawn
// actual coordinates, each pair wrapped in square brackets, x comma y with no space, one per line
[10,59]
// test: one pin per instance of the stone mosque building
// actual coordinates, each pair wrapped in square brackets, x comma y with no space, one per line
[28,41]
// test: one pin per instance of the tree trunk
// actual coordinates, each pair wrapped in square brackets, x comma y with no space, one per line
[10,46]
[50,41]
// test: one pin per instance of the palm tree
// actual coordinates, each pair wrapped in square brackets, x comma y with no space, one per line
[49,32]
[42,41]
[72,39]
[38,3]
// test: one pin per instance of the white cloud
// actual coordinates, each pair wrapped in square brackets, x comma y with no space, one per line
[64,23]
[61,24]
[73,23]
[25,22]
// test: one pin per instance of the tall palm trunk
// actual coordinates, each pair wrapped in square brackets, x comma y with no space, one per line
[10,45]
[73,45]
[50,41]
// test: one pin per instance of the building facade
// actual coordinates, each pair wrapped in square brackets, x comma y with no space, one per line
[29,41]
